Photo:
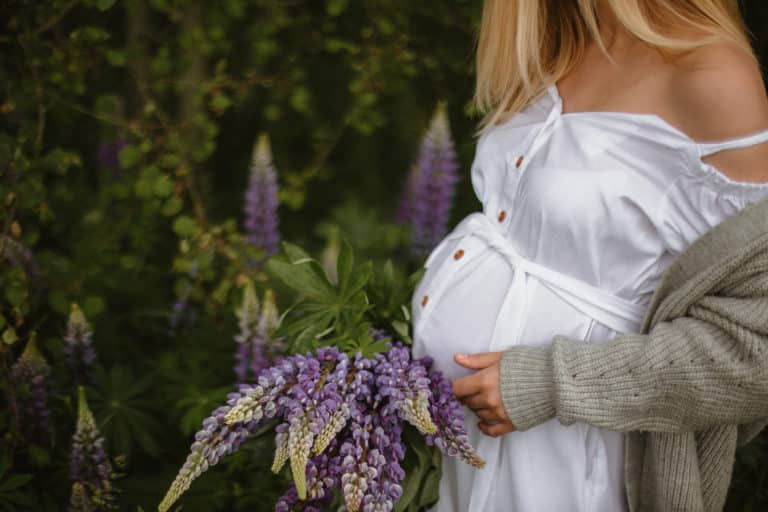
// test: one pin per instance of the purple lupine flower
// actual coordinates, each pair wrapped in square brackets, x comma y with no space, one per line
[19,255]
[231,424]
[428,195]
[255,347]
[108,155]
[356,471]
[88,464]
[311,404]
[31,373]
[406,384]
[78,346]
[261,201]
[179,309]
[451,436]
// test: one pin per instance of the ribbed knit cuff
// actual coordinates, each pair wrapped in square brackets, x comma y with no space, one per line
[526,380]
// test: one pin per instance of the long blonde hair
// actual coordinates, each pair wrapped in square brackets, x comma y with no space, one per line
[526,45]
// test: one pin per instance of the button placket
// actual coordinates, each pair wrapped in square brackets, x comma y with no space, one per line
[521,164]
[457,262]
[523,158]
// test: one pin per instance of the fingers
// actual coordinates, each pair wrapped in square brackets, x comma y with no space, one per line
[495,430]
[467,386]
[478,401]
[487,415]
[477,361]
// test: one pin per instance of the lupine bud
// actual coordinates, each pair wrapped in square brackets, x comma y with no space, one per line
[31,373]
[261,201]
[248,320]
[255,347]
[281,447]
[337,422]
[300,438]
[428,195]
[79,501]
[78,346]
[89,465]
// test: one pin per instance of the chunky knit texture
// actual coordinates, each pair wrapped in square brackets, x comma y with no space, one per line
[688,389]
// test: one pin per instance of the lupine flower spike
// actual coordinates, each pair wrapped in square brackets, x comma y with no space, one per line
[428,196]
[78,346]
[255,347]
[31,375]
[261,201]
[231,424]
[89,465]
[248,320]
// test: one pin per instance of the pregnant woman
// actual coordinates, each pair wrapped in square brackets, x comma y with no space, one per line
[616,133]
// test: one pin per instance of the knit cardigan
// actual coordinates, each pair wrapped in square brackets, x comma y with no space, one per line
[687,390]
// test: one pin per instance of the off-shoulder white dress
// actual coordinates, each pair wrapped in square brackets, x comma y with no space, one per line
[582,213]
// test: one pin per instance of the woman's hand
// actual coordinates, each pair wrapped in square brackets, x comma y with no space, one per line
[480,392]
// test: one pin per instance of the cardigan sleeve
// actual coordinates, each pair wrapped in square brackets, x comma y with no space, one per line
[708,367]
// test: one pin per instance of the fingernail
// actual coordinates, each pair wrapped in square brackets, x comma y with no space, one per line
[460,355]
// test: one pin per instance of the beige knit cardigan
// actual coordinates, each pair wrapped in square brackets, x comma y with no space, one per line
[687,390]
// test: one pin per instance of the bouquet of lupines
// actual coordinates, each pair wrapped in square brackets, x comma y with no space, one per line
[340,404]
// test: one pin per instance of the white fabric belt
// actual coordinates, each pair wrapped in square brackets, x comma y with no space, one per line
[615,312]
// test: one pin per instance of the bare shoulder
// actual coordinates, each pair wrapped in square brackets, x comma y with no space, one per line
[718,93]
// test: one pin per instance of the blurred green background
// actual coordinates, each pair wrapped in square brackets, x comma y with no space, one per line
[126,131]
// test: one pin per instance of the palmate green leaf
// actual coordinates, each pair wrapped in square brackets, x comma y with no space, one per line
[359,278]
[11,497]
[344,265]
[301,272]
[314,320]
[14,482]
[122,404]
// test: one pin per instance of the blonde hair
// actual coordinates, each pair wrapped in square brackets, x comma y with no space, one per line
[526,45]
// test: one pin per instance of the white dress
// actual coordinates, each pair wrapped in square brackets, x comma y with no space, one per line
[582,213]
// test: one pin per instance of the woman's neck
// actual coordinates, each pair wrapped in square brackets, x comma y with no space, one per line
[615,37]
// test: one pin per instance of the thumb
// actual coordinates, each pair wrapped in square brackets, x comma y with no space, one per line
[477,361]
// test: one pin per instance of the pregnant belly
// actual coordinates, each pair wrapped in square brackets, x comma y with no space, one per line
[466,302]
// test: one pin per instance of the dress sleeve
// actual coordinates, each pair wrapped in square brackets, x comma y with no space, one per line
[698,200]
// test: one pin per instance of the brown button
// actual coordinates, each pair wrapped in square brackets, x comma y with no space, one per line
[519,161]
[502,215]
[424,300]
[458,254]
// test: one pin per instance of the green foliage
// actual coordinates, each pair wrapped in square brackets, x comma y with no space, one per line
[124,410]
[12,495]
[330,314]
